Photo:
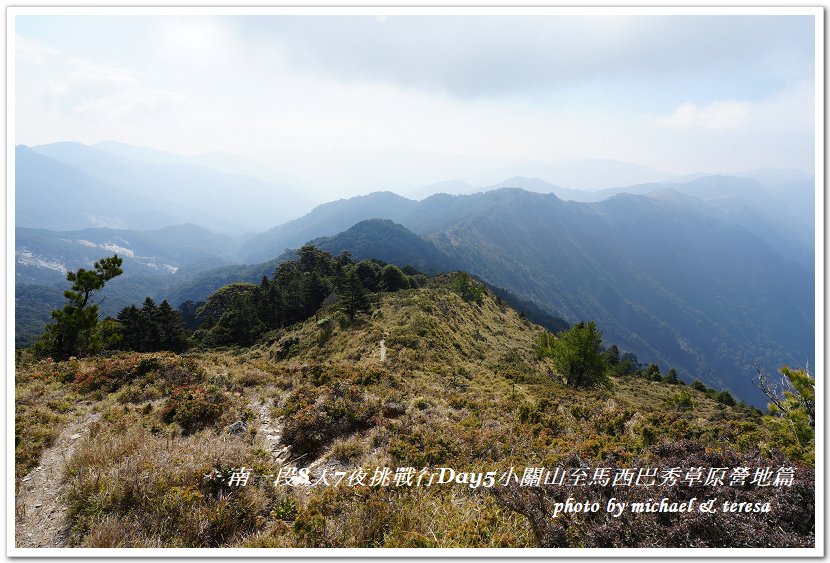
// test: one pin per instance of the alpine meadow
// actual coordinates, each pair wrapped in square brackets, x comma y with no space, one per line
[518,279]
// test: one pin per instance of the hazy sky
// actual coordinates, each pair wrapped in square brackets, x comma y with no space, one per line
[677,93]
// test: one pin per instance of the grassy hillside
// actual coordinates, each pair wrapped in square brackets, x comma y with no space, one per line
[460,385]
[671,279]
[673,286]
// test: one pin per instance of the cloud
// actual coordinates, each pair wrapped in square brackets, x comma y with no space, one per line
[82,71]
[155,105]
[789,109]
[733,135]
[485,56]
[722,115]
[65,82]
[201,42]
[84,94]
[31,51]
[684,93]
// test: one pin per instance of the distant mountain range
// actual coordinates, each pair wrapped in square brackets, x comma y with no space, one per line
[45,256]
[52,195]
[779,211]
[591,173]
[673,283]
[325,220]
[146,189]
[708,275]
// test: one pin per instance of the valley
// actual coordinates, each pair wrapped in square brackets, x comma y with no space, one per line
[691,282]
[415,281]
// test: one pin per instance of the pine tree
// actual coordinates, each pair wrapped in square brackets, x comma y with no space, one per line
[577,355]
[132,328]
[174,332]
[267,301]
[612,355]
[355,298]
[238,324]
[73,332]
[152,334]
[230,315]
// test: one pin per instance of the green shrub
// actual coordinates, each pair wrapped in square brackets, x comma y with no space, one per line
[285,509]
[697,384]
[467,287]
[421,403]
[577,355]
[682,401]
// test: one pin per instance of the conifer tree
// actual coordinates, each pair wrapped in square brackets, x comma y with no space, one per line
[73,332]
[577,356]
[354,299]
[173,330]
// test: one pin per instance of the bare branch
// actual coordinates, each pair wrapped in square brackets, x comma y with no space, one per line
[773,391]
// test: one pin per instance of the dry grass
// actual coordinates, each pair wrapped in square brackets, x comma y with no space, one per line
[461,387]
[43,405]
[133,487]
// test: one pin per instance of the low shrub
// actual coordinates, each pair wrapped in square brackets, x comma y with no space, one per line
[681,401]
[790,522]
[193,407]
[315,416]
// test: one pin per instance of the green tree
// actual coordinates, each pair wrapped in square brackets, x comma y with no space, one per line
[152,333]
[152,328]
[577,355]
[222,299]
[355,298]
[626,365]
[672,378]
[368,272]
[317,290]
[699,385]
[131,327]
[173,330]
[230,315]
[653,373]
[267,299]
[612,355]
[292,287]
[237,325]
[682,401]
[792,411]
[466,286]
[726,398]
[188,311]
[73,332]
[393,279]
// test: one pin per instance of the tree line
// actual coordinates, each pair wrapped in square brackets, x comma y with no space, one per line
[236,314]
[240,313]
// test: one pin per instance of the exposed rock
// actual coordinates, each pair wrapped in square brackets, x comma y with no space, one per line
[393,409]
[238,427]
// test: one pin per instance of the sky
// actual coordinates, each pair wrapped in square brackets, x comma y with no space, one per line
[345,102]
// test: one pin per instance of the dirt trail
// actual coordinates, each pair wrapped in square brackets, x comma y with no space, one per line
[40,515]
[271,432]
